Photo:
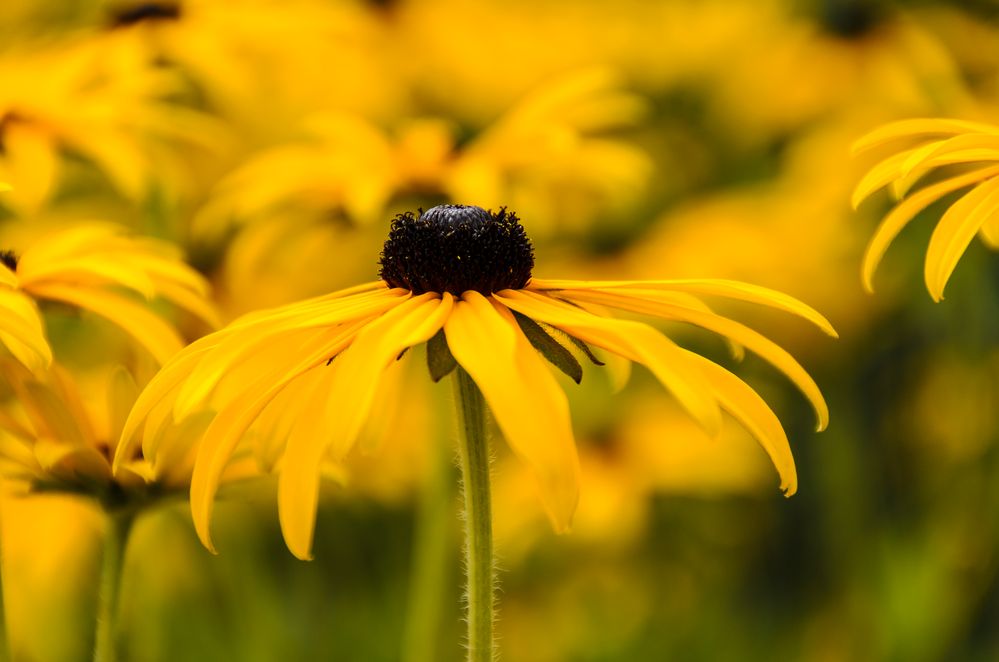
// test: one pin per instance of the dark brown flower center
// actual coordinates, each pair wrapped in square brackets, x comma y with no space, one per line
[456,248]
[9,259]
[145,11]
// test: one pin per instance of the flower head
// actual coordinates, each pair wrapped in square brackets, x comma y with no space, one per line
[457,278]
[935,144]
[99,268]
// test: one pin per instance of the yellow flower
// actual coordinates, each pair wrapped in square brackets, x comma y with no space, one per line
[70,98]
[939,143]
[88,267]
[458,278]
[547,154]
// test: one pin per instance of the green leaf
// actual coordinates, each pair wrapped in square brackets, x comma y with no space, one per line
[550,348]
[440,362]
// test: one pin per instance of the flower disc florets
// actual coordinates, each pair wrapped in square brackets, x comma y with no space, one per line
[9,259]
[456,248]
[146,11]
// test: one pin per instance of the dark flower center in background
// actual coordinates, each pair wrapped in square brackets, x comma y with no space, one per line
[146,11]
[455,248]
[9,259]
[850,19]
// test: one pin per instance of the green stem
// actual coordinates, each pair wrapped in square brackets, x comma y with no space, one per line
[473,451]
[431,549]
[119,524]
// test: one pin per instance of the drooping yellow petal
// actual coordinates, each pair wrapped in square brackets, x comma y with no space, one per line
[298,491]
[229,425]
[22,330]
[955,231]
[32,164]
[879,176]
[729,289]
[918,127]
[747,407]
[150,331]
[7,277]
[959,149]
[990,232]
[243,338]
[524,397]
[166,380]
[905,211]
[634,340]
[360,371]
[752,340]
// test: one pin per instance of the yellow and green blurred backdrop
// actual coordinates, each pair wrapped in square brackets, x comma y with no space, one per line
[274,141]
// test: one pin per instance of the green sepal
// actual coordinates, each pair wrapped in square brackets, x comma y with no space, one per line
[440,361]
[585,349]
[550,348]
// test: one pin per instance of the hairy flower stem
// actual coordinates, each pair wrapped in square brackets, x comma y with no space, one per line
[119,525]
[473,451]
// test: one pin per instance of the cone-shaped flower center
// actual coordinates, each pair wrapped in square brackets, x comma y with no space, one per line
[456,248]
[9,259]
[146,11]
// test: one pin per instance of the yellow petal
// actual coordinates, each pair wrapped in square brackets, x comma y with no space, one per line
[879,176]
[747,407]
[752,340]
[918,127]
[359,371]
[955,231]
[524,397]
[22,330]
[905,211]
[166,380]
[246,337]
[729,289]
[633,340]
[298,488]
[990,232]
[960,149]
[235,418]
[32,161]
[7,277]
[150,331]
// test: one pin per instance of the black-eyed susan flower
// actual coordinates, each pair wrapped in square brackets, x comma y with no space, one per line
[968,153]
[459,279]
[99,268]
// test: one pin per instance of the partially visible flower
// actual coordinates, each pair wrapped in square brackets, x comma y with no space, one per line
[69,99]
[968,154]
[240,51]
[549,154]
[59,432]
[459,279]
[97,267]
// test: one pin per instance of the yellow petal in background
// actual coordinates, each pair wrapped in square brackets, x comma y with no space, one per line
[524,397]
[905,211]
[955,231]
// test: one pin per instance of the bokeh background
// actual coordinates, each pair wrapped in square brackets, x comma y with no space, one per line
[275,140]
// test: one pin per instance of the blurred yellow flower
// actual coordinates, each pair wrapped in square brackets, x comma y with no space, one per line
[547,155]
[87,267]
[240,51]
[460,278]
[939,143]
[70,99]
